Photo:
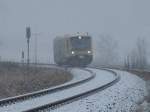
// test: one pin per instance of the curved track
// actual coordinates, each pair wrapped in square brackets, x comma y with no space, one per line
[21,98]
[53,97]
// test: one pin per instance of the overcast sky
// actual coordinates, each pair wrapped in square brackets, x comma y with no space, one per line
[124,20]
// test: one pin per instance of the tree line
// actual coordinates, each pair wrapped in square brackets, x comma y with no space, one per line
[107,53]
[137,58]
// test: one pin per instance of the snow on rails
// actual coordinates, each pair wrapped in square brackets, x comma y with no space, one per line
[64,93]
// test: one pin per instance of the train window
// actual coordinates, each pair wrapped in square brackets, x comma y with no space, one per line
[83,43]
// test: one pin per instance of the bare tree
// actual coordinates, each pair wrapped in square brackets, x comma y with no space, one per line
[0,54]
[138,56]
[106,51]
[127,62]
[142,55]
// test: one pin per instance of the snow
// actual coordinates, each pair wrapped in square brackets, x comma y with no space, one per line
[76,78]
[79,74]
[102,78]
[121,97]
[145,106]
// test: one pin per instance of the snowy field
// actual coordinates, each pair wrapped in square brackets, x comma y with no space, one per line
[121,97]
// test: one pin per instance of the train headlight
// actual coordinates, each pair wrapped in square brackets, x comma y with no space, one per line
[89,52]
[72,52]
[80,37]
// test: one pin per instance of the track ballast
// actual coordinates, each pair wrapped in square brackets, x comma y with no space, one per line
[23,103]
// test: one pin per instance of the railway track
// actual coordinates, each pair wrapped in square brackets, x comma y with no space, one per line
[16,103]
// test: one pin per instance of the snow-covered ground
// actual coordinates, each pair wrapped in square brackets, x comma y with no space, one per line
[76,78]
[121,97]
[145,106]
[102,77]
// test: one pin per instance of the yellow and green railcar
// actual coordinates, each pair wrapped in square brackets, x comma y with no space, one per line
[73,50]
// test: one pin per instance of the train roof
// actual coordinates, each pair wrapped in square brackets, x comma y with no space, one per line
[72,35]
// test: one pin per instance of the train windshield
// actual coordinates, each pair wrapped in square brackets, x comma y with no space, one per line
[80,42]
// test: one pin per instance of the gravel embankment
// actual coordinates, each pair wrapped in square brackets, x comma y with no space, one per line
[15,80]
[120,97]
[145,106]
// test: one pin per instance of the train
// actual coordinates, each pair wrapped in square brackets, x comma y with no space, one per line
[73,50]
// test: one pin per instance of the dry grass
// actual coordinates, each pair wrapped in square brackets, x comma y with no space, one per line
[143,74]
[15,80]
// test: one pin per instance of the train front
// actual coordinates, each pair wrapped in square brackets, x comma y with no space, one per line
[80,50]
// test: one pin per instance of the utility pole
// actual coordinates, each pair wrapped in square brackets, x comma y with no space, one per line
[28,35]
[35,50]
[22,58]
[35,47]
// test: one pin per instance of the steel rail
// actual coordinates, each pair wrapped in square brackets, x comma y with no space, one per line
[77,97]
[21,98]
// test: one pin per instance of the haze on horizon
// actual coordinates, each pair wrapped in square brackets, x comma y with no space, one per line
[124,20]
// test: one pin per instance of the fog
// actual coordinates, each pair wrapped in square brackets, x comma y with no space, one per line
[123,20]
